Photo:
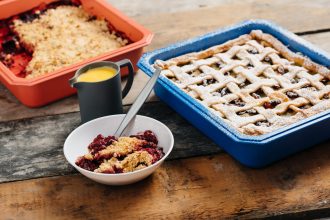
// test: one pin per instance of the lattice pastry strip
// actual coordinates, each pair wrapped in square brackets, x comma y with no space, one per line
[254,82]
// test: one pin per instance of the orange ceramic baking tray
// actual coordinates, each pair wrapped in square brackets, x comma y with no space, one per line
[52,86]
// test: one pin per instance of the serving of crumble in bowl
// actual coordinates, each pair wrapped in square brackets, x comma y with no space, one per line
[110,160]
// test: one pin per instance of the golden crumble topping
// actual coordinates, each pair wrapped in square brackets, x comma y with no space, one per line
[122,147]
[132,162]
[64,36]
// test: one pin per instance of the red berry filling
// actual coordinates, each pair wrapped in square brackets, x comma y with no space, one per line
[147,135]
[100,143]
[87,164]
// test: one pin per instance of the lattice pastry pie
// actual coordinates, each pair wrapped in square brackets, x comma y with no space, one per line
[253,82]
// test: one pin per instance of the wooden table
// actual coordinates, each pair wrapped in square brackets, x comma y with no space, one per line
[199,180]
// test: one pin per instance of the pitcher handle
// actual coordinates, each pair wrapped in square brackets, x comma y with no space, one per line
[127,63]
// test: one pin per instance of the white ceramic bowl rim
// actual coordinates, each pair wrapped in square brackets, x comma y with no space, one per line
[120,174]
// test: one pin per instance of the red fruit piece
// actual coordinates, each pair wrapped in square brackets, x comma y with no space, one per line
[100,143]
[86,164]
[147,135]
[4,31]
[20,61]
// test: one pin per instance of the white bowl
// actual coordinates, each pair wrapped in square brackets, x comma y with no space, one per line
[76,145]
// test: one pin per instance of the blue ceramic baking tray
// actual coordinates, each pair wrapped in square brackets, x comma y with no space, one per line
[252,151]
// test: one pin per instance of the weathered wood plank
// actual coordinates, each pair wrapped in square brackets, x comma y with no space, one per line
[196,22]
[32,148]
[196,188]
[216,14]
[150,7]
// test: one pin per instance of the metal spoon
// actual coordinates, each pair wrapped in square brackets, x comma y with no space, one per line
[138,103]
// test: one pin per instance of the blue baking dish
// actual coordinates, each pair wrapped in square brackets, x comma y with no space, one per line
[252,151]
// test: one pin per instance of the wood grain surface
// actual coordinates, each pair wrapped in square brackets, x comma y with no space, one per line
[288,14]
[198,181]
[214,187]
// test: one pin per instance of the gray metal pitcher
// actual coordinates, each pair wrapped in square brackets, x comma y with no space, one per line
[97,99]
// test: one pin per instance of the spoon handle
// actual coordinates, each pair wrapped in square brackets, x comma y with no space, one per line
[138,103]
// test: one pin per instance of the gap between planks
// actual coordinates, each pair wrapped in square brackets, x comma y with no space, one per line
[311,32]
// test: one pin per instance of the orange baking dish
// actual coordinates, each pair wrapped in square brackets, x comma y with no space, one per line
[35,92]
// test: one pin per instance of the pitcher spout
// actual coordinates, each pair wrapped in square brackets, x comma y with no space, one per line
[73,82]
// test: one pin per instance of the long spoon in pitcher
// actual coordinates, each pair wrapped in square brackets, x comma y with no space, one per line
[138,103]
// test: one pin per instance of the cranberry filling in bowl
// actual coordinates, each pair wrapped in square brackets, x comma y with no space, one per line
[110,160]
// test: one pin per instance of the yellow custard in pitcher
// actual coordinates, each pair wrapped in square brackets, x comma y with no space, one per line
[97,74]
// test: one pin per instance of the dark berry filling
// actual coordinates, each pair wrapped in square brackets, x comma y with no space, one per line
[10,46]
[292,95]
[249,66]
[99,143]
[263,123]
[86,164]
[281,70]
[272,103]
[147,135]
[224,91]
[244,84]
[276,86]
[221,92]
[237,102]
[267,59]
[253,51]
[258,94]
[309,87]
[326,96]
[249,112]
[112,170]
[28,17]
[230,73]
[218,65]
[295,80]
[194,72]
[207,82]
[305,106]
[325,81]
